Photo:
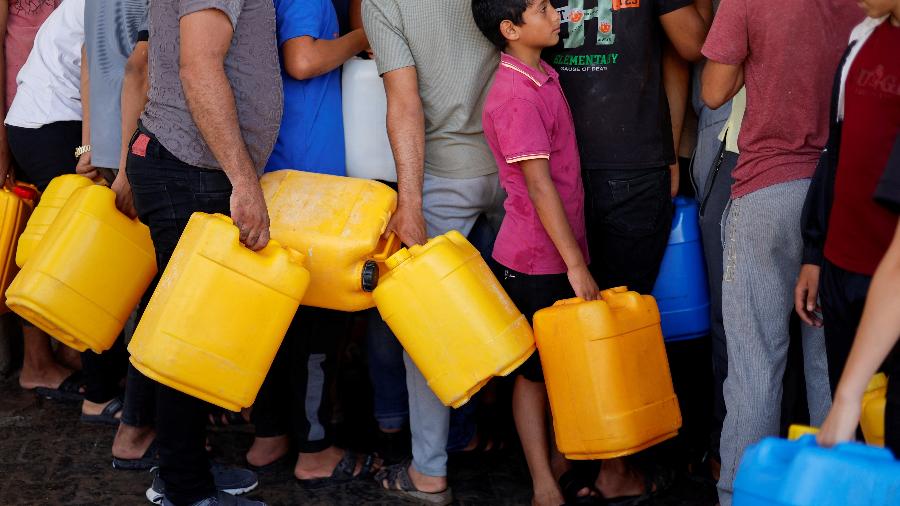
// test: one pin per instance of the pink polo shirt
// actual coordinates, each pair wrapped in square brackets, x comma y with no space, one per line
[526,116]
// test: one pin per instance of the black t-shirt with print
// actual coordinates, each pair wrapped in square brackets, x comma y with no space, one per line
[609,59]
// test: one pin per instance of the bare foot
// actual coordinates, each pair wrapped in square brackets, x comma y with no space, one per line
[92,408]
[551,497]
[617,479]
[49,375]
[132,442]
[266,450]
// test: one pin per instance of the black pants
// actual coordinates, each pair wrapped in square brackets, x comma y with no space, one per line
[42,154]
[294,399]
[713,201]
[628,215]
[166,193]
[892,408]
[531,293]
[843,296]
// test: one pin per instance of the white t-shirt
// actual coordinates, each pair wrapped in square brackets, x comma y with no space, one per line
[49,84]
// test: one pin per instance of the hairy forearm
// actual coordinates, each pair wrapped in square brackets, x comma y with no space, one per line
[879,328]
[134,96]
[211,102]
[551,212]
[308,58]
[406,131]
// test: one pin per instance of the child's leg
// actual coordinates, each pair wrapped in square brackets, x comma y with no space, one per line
[530,414]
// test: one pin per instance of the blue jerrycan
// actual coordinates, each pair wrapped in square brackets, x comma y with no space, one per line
[681,289]
[801,473]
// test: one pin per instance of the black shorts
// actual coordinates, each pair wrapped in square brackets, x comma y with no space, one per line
[531,293]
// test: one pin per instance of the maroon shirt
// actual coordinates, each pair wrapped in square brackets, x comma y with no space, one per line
[525,117]
[860,230]
[790,51]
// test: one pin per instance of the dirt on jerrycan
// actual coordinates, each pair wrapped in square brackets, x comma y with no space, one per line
[337,223]
[51,203]
[87,274]
[607,375]
[218,314]
[452,316]
[16,204]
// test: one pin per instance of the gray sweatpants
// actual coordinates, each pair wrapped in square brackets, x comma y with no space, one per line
[448,204]
[763,249]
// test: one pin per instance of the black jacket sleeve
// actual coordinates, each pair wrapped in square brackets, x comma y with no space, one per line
[816,209]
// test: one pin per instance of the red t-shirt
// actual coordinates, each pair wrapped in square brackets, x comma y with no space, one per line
[789,50]
[860,230]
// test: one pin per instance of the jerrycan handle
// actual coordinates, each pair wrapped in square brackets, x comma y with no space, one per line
[569,302]
[386,247]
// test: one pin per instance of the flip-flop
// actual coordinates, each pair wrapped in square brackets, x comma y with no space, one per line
[400,484]
[575,480]
[656,481]
[108,415]
[67,391]
[343,472]
[148,461]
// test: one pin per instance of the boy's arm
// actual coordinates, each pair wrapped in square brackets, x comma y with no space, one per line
[550,209]
[307,57]
[676,80]
[878,333]
[687,27]
[726,48]
[135,85]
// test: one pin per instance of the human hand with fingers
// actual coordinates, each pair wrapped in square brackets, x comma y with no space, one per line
[806,295]
[250,215]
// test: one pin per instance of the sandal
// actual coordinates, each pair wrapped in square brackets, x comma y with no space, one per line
[108,415]
[575,480]
[655,482]
[343,472]
[399,483]
[149,460]
[67,391]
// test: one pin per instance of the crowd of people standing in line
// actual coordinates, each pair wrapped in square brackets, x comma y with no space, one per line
[551,125]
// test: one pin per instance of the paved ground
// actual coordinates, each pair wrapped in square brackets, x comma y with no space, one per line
[47,458]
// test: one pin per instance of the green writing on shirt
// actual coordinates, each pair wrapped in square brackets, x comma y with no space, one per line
[586,60]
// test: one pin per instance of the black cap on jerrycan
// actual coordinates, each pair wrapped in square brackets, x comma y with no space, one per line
[369,276]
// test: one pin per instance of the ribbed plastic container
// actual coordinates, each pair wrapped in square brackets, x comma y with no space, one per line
[219,314]
[607,375]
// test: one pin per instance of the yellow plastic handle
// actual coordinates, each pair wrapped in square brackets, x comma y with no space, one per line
[797,431]
[387,247]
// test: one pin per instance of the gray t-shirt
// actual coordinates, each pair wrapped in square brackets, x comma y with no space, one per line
[455,64]
[252,68]
[111,30]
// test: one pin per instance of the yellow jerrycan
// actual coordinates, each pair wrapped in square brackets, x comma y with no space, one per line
[337,223]
[872,414]
[607,375]
[452,316]
[91,269]
[219,314]
[52,201]
[16,204]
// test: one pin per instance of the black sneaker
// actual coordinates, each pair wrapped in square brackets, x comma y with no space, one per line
[230,480]
[222,499]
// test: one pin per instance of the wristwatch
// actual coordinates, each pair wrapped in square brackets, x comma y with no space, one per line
[80,150]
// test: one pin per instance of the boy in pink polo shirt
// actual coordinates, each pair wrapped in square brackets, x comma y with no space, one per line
[541,245]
